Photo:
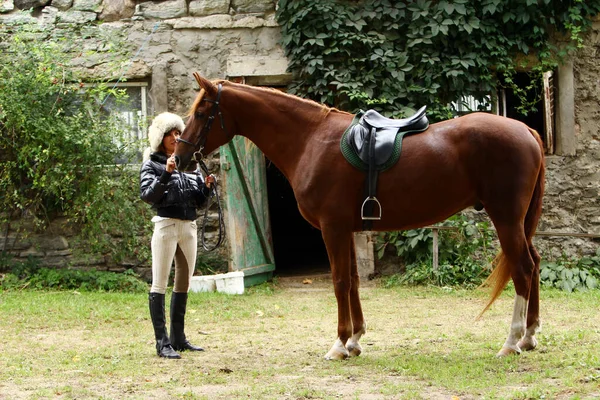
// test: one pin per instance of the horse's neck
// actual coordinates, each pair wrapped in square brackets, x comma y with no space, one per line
[281,126]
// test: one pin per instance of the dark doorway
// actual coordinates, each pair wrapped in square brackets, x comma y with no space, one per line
[298,246]
[534,118]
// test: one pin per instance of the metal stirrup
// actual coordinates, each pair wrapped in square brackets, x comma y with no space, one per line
[362,209]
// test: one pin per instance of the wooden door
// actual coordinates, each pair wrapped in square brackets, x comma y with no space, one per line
[248,227]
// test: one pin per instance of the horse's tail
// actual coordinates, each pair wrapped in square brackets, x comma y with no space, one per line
[500,275]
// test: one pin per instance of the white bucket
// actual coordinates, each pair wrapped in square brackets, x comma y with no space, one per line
[230,283]
[203,283]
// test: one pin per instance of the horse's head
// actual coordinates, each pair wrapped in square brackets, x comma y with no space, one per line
[207,127]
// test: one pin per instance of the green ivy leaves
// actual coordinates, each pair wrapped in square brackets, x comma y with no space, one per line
[400,55]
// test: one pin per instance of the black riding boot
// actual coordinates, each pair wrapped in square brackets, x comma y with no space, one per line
[178,340]
[157,313]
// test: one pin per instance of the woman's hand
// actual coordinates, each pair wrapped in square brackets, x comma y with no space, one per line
[171,164]
[210,180]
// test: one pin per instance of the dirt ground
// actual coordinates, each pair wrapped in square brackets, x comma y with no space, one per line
[271,345]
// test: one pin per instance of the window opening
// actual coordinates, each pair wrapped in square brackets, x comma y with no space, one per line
[541,97]
[133,113]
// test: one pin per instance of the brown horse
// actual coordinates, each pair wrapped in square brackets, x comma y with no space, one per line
[479,159]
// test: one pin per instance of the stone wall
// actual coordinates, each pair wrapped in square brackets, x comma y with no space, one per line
[169,40]
[572,200]
[240,38]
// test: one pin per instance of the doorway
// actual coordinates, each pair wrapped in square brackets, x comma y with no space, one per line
[298,247]
[509,107]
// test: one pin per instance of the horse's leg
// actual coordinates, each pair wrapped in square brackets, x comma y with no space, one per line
[529,342]
[516,250]
[338,247]
[358,322]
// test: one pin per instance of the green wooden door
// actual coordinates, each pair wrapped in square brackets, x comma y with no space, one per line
[248,227]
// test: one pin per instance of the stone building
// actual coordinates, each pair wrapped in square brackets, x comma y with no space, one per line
[240,40]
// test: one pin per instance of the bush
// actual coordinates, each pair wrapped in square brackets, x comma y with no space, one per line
[570,274]
[59,144]
[29,274]
[464,253]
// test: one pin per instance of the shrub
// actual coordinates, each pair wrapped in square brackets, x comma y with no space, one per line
[464,253]
[570,274]
[59,145]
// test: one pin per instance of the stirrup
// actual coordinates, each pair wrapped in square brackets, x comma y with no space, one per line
[362,209]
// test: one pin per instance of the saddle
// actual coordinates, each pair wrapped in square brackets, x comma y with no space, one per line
[373,143]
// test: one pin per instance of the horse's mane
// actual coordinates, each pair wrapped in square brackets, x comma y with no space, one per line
[325,110]
[196,103]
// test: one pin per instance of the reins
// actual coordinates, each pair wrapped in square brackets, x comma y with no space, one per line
[213,193]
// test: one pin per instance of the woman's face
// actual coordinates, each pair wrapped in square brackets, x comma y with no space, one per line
[170,141]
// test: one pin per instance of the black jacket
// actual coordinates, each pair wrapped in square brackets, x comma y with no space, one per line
[173,195]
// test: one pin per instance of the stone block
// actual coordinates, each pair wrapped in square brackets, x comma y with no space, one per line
[162,10]
[12,243]
[256,66]
[114,10]
[76,17]
[6,6]
[363,244]
[252,6]
[31,252]
[200,8]
[58,253]
[53,243]
[27,4]
[17,18]
[62,5]
[88,5]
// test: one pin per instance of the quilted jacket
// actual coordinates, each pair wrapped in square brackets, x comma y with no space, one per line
[173,195]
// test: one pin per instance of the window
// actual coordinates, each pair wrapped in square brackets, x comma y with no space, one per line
[469,104]
[540,103]
[134,114]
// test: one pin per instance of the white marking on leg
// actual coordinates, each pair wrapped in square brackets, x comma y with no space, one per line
[517,327]
[337,352]
[354,348]
[529,342]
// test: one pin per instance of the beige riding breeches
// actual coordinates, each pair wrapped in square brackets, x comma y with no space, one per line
[173,239]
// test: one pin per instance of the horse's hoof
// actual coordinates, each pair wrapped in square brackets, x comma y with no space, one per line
[528,343]
[506,351]
[338,352]
[354,349]
[336,355]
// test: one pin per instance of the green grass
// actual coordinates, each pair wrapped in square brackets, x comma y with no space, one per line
[269,343]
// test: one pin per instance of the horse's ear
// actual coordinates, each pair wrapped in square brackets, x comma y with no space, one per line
[205,84]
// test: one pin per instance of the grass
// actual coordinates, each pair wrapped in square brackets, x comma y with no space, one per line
[421,343]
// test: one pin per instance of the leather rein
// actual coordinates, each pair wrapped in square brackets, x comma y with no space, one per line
[198,156]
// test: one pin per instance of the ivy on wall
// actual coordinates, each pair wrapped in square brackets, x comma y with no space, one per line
[394,55]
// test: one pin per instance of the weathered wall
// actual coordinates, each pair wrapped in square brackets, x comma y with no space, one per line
[572,202]
[217,38]
[233,38]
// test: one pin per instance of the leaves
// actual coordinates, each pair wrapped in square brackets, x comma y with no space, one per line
[58,143]
[571,274]
[420,52]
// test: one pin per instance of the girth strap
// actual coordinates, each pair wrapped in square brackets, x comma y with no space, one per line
[370,186]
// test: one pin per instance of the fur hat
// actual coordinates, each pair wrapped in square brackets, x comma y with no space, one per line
[162,124]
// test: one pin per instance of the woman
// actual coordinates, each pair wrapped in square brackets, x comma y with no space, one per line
[175,195]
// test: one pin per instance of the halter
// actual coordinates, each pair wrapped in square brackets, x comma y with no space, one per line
[198,157]
[207,125]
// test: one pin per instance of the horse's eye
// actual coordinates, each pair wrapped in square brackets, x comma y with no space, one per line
[199,114]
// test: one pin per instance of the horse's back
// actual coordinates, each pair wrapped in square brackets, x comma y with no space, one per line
[458,163]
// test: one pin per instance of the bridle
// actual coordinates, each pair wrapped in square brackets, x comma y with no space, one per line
[198,156]
[207,125]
